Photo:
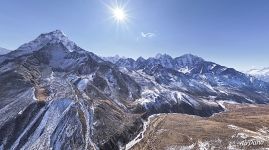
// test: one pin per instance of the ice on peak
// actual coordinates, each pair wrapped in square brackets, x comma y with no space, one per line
[56,36]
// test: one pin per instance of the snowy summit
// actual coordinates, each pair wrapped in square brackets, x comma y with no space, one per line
[56,36]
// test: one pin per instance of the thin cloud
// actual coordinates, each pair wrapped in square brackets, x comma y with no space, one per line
[148,35]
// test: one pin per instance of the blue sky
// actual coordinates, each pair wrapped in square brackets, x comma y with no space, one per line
[234,33]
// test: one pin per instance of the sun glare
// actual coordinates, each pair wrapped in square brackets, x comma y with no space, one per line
[119,14]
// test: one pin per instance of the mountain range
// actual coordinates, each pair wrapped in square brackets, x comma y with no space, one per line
[57,95]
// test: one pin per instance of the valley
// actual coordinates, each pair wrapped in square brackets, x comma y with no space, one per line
[134,75]
[241,126]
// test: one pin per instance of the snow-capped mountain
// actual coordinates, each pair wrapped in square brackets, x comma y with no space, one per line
[56,36]
[4,51]
[64,97]
[262,74]
[56,95]
[180,63]
[194,75]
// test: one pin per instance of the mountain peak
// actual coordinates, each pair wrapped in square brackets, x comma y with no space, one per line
[191,57]
[188,60]
[140,59]
[57,31]
[159,56]
[113,59]
[56,36]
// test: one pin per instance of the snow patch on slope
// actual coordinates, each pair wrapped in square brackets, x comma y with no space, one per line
[185,70]
[82,84]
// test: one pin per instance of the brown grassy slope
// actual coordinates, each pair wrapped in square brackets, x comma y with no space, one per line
[242,127]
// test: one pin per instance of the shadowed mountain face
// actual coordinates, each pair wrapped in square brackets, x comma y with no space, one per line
[53,94]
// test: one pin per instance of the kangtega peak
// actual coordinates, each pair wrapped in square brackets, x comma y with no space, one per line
[56,95]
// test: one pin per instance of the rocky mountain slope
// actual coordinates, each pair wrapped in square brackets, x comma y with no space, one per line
[262,74]
[53,94]
[56,95]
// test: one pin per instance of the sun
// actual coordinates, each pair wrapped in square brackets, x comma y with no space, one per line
[119,14]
